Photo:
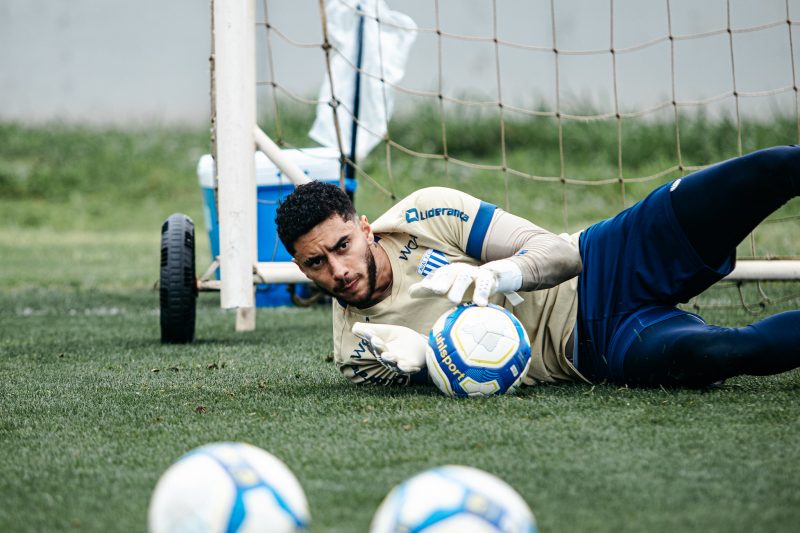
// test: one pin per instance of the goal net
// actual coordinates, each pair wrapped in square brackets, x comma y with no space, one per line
[561,111]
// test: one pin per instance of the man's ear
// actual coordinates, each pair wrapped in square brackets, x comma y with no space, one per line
[366,229]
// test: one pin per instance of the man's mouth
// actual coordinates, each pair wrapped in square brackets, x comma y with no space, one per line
[349,286]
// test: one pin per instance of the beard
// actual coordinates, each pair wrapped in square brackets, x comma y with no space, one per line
[372,280]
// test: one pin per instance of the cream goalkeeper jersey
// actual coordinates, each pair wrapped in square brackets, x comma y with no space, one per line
[431,228]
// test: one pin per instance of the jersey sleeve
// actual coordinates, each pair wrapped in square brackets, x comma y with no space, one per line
[441,218]
[544,258]
[453,221]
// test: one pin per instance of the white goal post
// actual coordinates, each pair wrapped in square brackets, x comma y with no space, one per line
[236,136]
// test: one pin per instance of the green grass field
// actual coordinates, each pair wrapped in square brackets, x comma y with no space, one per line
[93,408]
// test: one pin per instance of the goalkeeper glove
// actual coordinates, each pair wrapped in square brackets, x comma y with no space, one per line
[501,276]
[398,348]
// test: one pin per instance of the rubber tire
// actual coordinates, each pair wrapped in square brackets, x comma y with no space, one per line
[178,282]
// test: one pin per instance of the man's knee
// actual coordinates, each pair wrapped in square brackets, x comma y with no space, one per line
[704,355]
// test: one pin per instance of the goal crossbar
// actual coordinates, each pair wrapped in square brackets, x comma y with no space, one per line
[765,270]
[746,270]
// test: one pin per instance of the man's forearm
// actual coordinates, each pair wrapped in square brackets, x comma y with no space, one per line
[544,259]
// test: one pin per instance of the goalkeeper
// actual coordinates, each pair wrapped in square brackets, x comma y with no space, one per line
[599,305]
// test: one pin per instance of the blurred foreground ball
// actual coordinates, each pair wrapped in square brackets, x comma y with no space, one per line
[228,486]
[453,499]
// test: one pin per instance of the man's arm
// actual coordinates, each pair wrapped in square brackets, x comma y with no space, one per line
[543,258]
[520,256]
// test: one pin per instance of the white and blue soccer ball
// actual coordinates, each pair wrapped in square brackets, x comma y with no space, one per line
[227,487]
[477,351]
[453,499]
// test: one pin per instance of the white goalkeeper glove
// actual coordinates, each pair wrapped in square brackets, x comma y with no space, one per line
[398,348]
[501,276]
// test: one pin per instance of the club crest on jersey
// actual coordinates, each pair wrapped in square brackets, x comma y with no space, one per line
[415,215]
[431,260]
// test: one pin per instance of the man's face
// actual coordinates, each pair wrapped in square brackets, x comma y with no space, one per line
[336,256]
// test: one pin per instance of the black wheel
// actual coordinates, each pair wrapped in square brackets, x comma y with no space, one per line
[178,284]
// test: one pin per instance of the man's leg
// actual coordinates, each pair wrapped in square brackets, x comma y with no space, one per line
[683,351]
[671,246]
[719,206]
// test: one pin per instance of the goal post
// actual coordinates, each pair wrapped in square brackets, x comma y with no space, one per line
[233,67]
[236,136]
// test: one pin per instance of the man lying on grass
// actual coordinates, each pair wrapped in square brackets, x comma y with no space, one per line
[599,305]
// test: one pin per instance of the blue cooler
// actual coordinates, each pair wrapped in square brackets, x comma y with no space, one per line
[271,187]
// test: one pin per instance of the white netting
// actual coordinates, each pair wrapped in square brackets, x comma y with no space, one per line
[561,110]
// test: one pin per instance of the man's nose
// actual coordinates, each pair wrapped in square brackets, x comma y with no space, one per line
[338,269]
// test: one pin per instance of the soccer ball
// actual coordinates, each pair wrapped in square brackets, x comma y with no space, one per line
[477,351]
[228,486]
[453,499]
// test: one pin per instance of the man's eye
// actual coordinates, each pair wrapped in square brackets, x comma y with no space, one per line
[344,245]
[314,263]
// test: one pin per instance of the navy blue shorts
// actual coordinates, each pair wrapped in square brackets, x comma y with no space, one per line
[637,266]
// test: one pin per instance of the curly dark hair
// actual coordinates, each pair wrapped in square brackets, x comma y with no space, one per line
[307,206]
